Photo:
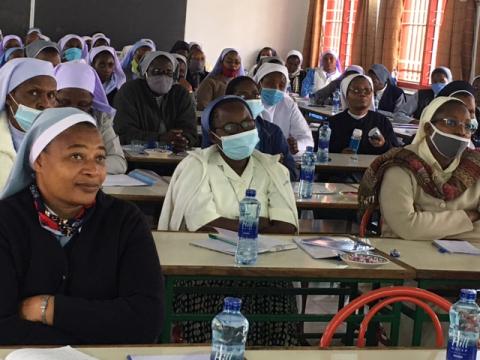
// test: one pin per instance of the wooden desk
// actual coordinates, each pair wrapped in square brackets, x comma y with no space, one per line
[182,261]
[321,110]
[153,159]
[155,193]
[433,270]
[306,353]
[344,197]
[346,163]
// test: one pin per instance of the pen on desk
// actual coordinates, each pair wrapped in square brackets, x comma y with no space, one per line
[218,237]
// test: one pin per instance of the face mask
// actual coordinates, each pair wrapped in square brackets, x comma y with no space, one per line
[196,66]
[239,146]
[256,107]
[271,96]
[437,87]
[25,116]
[134,67]
[72,54]
[160,84]
[229,73]
[450,146]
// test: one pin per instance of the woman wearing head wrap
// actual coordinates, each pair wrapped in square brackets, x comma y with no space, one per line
[296,74]
[27,86]
[76,266]
[325,95]
[12,53]
[267,51]
[105,62]
[413,107]
[73,47]
[32,35]
[228,66]
[131,61]
[357,100]
[181,73]
[388,97]
[153,108]
[317,78]
[462,90]
[267,59]
[44,50]
[100,40]
[430,189]
[9,41]
[79,86]
[222,173]
[280,108]
[271,139]
[196,67]
[180,47]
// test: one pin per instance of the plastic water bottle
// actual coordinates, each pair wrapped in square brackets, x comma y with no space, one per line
[323,143]
[229,332]
[336,104]
[464,327]
[247,248]
[355,142]
[307,173]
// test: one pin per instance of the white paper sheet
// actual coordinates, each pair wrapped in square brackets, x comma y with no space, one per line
[63,353]
[122,180]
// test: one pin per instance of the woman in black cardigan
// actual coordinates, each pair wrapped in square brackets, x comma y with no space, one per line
[76,266]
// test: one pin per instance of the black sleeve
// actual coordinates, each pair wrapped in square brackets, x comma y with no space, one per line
[14,330]
[337,138]
[136,315]
[185,115]
[126,122]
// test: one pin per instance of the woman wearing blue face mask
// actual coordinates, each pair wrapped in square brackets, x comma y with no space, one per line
[73,47]
[27,86]
[204,192]
[280,108]
[412,109]
[429,189]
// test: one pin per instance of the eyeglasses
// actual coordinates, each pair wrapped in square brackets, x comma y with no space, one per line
[455,124]
[234,128]
[157,72]
[365,91]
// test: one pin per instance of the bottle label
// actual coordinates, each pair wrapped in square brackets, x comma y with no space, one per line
[458,349]
[307,175]
[248,230]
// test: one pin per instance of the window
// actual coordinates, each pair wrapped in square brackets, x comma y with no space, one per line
[338,22]
[418,40]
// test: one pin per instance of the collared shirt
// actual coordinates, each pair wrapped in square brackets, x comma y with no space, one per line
[221,194]
[17,136]
[440,175]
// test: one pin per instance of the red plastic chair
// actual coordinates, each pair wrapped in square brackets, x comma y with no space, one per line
[389,295]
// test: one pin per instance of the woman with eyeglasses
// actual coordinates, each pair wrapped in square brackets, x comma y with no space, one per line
[154,108]
[357,102]
[228,66]
[429,189]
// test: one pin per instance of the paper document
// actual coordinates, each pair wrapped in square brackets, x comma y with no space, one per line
[457,247]
[122,180]
[226,242]
[170,357]
[63,353]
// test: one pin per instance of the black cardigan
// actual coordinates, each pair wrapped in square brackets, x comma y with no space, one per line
[107,280]
[343,124]
[138,116]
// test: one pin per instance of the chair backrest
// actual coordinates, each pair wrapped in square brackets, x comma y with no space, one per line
[389,295]
[365,220]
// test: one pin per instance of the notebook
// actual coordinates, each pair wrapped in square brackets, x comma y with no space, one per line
[226,242]
[62,353]
[339,243]
[456,247]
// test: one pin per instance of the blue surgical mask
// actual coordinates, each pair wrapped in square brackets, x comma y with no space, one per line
[239,146]
[256,107]
[25,116]
[72,54]
[271,96]
[437,87]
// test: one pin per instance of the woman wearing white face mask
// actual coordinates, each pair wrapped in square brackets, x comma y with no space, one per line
[153,108]
[27,86]
[429,189]
[223,172]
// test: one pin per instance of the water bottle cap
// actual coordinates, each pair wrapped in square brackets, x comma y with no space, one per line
[468,294]
[309,149]
[357,132]
[232,304]
[250,193]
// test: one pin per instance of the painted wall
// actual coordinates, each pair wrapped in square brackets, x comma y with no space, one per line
[247,25]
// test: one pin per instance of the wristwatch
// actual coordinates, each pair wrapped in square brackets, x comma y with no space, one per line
[43,308]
